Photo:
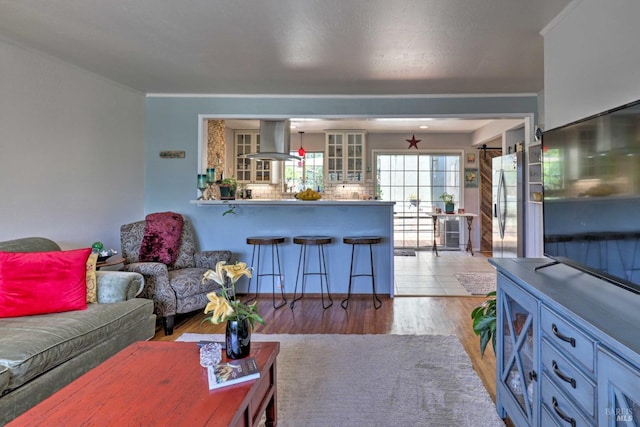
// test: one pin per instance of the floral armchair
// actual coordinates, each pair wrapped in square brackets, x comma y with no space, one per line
[176,288]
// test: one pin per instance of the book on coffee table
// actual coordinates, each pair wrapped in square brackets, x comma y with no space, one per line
[232,372]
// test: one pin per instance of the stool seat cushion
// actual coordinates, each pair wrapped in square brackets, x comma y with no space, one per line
[265,240]
[362,240]
[312,240]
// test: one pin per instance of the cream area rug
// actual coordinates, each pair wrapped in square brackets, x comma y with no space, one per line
[375,380]
[477,283]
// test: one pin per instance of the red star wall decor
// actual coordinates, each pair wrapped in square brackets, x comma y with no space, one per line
[413,142]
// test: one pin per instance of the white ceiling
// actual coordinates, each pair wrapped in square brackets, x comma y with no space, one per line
[288,47]
[294,46]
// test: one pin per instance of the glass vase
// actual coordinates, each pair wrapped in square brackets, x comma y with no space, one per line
[238,338]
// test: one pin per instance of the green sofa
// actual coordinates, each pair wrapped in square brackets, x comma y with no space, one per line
[42,353]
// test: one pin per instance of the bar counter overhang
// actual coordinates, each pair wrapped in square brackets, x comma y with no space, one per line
[291,217]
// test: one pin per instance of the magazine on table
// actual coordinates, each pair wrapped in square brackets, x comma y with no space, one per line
[232,372]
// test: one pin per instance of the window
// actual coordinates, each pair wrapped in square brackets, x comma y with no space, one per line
[403,177]
[415,182]
[305,173]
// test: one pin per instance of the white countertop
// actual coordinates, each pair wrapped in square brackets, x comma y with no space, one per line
[293,202]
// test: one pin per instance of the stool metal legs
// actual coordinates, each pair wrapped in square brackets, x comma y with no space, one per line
[377,303]
[255,295]
[322,267]
[273,275]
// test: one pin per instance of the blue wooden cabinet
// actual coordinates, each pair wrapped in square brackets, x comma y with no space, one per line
[517,353]
[619,392]
[568,349]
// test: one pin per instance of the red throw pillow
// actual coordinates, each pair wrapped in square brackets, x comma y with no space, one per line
[42,282]
[161,239]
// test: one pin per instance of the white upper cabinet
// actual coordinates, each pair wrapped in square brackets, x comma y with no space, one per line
[345,156]
[250,170]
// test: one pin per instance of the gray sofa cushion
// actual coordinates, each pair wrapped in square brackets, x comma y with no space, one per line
[29,244]
[4,378]
[32,345]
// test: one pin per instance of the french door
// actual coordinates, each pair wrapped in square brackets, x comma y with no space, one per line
[415,182]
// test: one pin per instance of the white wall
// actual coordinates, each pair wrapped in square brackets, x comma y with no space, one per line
[591,59]
[496,127]
[71,151]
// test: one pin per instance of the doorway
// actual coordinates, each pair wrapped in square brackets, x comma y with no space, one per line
[415,182]
[486,194]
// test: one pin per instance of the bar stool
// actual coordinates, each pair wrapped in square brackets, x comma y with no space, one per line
[362,240]
[259,242]
[319,242]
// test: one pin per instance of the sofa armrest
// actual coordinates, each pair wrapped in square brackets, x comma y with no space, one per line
[209,259]
[116,286]
[156,286]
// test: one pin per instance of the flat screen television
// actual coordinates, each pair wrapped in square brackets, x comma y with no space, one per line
[591,202]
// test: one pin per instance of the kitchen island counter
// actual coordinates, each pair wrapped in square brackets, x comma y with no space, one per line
[218,228]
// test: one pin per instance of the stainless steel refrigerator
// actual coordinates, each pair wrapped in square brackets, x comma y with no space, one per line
[508,206]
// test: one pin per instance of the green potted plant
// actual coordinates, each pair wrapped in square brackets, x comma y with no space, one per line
[228,188]
[484,322]
[449,206]
[414,200]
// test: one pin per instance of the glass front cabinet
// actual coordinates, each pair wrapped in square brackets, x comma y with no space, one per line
[619,395]
[249,170]
[345,156]
[516,354]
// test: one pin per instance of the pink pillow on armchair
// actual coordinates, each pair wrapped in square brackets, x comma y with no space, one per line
[162,237]
[42,282]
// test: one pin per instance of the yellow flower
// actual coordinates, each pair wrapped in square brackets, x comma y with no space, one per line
[225,306]
[236,271]
[220,308]
[216,275]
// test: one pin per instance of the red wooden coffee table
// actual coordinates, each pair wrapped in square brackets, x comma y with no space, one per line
[160,384]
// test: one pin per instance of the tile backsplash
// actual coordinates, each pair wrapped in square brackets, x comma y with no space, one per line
[337,191]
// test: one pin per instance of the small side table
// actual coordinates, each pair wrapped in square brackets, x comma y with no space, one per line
[468,216]
[113,260]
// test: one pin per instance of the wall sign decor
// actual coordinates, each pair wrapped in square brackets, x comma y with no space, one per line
[172,154]
[471,177]
[471,157]
[413,142]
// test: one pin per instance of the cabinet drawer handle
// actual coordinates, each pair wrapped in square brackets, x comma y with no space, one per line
[562,414]
[565,338]
[562,376]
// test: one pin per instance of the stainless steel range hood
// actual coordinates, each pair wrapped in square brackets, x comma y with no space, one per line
[275,141]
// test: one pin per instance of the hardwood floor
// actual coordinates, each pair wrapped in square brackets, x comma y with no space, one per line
[400,315]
